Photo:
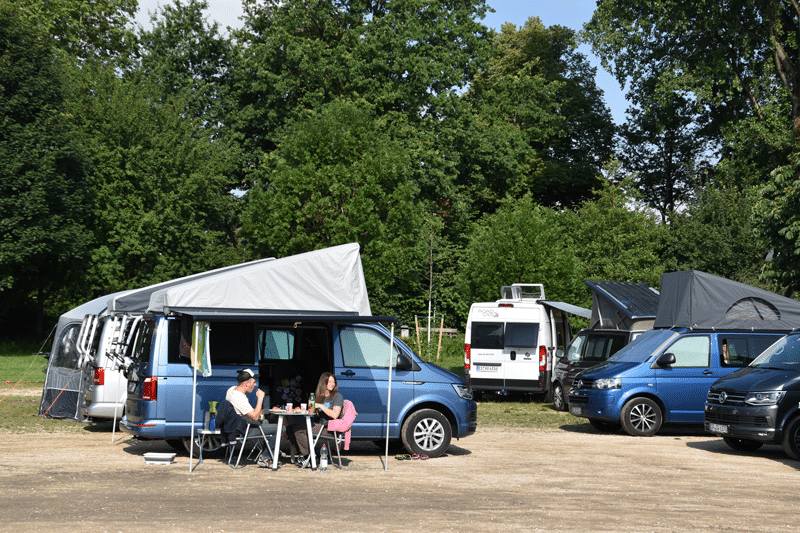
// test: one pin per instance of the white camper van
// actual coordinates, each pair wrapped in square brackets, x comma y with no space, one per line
[510,344]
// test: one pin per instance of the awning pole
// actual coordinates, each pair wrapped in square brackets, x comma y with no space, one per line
[389,400]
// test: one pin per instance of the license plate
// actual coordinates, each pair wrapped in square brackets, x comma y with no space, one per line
[575,410]
[717,428]
[484,368]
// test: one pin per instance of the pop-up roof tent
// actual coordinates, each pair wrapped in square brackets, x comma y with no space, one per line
[64,388]
[623,305]
[327,282]
[695,299]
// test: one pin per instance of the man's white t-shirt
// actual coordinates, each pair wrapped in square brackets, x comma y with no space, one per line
[239,401]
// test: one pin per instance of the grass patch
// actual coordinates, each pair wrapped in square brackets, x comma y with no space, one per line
[21,362]
[523,412]
[20,414]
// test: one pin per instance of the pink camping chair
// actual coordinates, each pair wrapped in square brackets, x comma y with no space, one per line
[340,429]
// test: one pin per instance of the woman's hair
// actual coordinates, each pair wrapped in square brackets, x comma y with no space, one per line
[322,386]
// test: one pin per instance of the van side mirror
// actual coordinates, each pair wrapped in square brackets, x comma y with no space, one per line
[559,353]
[666,359]
[403,363]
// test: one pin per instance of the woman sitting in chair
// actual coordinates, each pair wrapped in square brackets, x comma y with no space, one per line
[329,402]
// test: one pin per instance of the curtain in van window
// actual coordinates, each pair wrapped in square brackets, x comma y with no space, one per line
[691,352]
[362,347]
[276,344]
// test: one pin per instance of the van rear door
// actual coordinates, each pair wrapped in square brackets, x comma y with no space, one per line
[361,355]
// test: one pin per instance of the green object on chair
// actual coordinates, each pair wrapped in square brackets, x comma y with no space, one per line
[212,407]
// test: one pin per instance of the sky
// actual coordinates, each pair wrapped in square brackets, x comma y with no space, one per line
[573,14]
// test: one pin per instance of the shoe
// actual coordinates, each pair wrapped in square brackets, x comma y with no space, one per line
[265,463]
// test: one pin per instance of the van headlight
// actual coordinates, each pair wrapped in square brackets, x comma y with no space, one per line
[463,391]
[764,398]
[607,383]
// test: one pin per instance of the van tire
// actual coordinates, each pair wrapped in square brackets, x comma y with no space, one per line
[559,402]
[742,445]
[641,417]
[791,438]
[428,432]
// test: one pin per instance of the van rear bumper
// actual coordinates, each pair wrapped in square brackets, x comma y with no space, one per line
[103,410]
[510,385]
[157,429]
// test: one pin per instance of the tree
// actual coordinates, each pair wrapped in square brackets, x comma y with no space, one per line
[521,243]
[616,241]
[406,59]
[83,29]
[162,203]
[661,151]
[716,233]
[44,195]
[776,214]
[184,55]
[537,83]
[337,178]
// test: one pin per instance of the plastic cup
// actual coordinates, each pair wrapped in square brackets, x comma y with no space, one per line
[303,407]
[289,406]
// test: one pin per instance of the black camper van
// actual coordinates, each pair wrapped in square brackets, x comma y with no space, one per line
[760,404]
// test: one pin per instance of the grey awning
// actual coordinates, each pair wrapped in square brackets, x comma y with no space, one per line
[569,308]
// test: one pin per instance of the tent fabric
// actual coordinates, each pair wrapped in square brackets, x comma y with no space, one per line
[137,300]
[63,391]
[327,281]
[696,299]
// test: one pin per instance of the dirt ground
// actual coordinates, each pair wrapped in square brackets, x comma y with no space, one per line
[569,479]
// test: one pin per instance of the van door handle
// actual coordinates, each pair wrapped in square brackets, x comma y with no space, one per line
[708,372]
[348,373]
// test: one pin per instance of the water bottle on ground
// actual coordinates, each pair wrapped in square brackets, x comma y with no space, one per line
[323,459]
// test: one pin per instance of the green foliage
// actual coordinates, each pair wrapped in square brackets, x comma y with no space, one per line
[44,195]
[721,220]
[83,28]
[615,241]
[777,214]
[537,86]
[521,243]
[162,202]
[337,178]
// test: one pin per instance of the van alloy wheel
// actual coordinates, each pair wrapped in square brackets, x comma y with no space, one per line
[558,397]
[427,432]
[641,417]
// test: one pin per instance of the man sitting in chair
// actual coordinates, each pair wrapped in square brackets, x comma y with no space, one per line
[237,396]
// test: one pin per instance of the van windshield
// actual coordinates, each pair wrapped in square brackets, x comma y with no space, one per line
[783,355]
[643,346]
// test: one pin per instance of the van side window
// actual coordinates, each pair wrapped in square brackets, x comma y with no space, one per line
[691,352]
[487,335]
[522,334]
[362,347]
[275,345]
[741,351]
[574,352]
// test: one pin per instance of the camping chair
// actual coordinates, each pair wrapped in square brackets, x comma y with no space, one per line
[235,429]
[340,430]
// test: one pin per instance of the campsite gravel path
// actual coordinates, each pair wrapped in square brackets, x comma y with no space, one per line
[500,479]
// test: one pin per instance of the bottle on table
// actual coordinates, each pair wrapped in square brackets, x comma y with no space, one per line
[323,459]
[311,404]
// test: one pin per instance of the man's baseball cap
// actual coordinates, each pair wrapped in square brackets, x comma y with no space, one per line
[246,374]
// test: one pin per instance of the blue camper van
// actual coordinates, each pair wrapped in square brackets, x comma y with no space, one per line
[664,375]
[328,328]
